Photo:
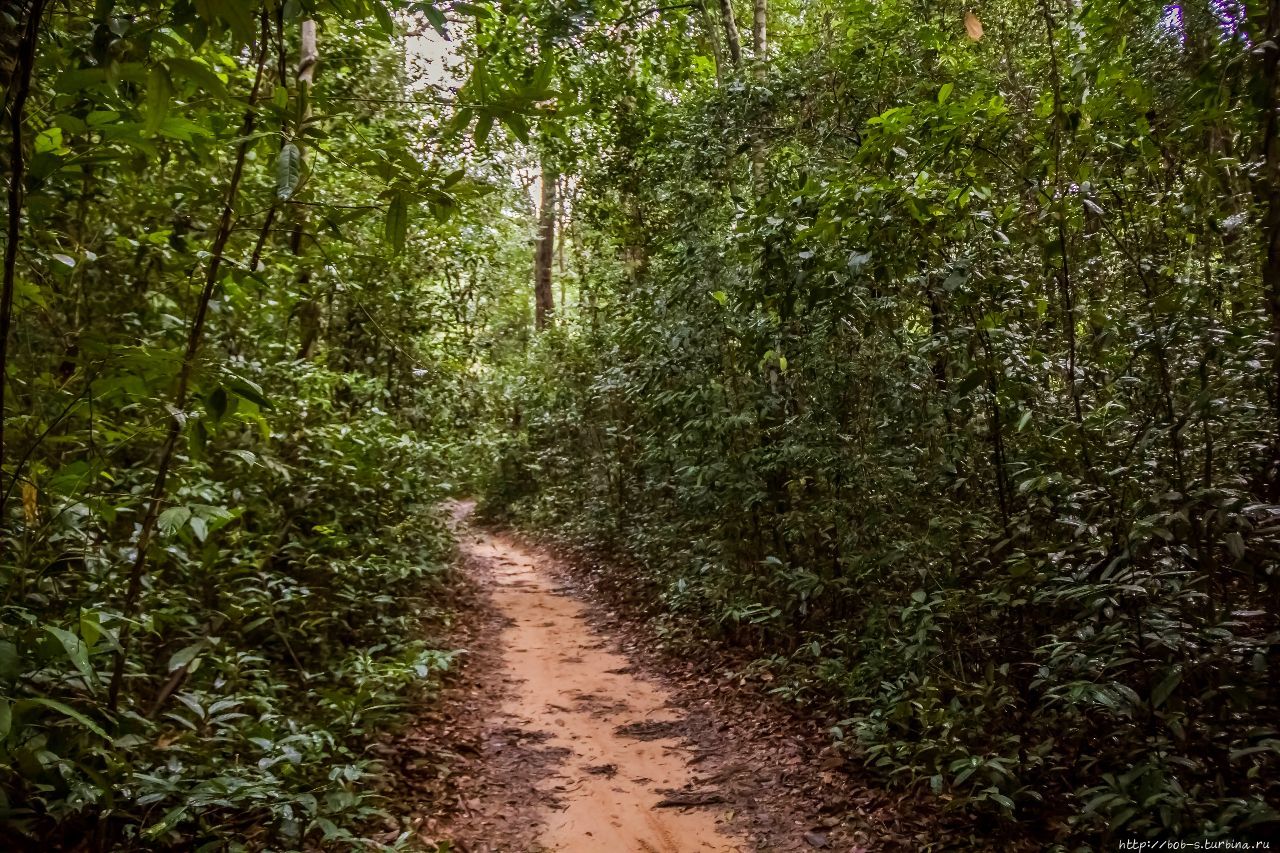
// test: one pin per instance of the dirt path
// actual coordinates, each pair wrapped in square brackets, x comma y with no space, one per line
[622,771]
[569,729]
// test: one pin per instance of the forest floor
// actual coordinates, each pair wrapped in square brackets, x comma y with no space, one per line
[568,728]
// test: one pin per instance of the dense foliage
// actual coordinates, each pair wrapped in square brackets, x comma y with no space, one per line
[238,345]
[931,351]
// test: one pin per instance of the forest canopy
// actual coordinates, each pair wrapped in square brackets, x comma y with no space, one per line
[927,353]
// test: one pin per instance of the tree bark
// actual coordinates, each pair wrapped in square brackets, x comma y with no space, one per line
[713,38]
[732,41]
[310,315]
[21,87]
[760,47]
[543,255]
[759,29]
[1064,247]
[1270,193]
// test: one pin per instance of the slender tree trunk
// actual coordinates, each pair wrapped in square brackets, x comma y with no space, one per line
[282,78]
[21,88]
[181,393]
[1271,225]
[760,47]
[759,29]
[1064,269]
[562,226]
[713,38]
[732,41]
[543,257]
[310,314]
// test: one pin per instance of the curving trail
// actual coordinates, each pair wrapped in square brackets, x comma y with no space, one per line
[568,729]
[612,788]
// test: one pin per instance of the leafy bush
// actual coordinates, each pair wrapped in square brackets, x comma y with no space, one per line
[282,636]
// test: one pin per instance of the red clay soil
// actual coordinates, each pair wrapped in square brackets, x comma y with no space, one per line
[569,728]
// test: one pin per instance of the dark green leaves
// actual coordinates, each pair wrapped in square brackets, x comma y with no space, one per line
[197,73]
[63,709]
[396,224]
[1165,688]
[385,20]
[159,92]
[288,171]
[237,15]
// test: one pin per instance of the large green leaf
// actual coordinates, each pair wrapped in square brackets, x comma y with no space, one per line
[64,709]
[396,225]
[159,93]
[288,171]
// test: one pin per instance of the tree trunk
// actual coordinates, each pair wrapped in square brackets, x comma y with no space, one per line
[21,86]
[1270,196]
[1064,247]
[309,312]
[713,38]
[760,47]
[544,252]
[759,29]
[732,41]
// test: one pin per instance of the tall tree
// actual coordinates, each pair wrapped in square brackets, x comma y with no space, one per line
[309,308]
[544,250]
[733,42]
[16,96]
[760,47]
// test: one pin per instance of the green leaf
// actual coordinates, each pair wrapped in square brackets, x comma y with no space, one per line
[216,404]
[6,718]
[65,710]
[48,140]
[182,129]
[484,125]
[288,171]
[475,9]
[198,73]
[1002,800]
[173,519]
[171,819]
[944,93]
[183,657]
[518,126]
[385,20]
[247,390]
[9,661]
[238,15]
[159,93]
[90,628]
[77,651]
[1162,691]
[396,226]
